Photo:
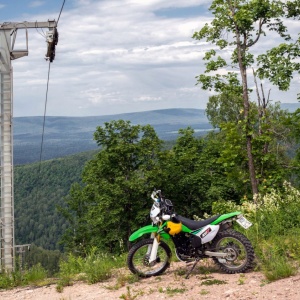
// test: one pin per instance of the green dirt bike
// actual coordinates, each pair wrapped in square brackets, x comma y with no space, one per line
[193,240]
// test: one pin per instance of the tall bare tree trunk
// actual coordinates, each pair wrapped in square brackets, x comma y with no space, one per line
[243,71]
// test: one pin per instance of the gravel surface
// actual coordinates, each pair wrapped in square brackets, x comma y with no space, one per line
[204,283]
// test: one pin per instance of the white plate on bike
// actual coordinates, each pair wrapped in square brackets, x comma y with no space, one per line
[244,222]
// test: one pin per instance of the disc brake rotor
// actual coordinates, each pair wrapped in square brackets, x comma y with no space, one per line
[147,263]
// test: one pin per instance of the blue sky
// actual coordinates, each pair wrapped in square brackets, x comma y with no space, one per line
[114,56]
[14,9]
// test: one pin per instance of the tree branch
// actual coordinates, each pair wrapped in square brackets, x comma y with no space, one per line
[261,23]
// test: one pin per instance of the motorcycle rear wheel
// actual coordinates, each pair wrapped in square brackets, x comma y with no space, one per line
[240,253]
[138,259]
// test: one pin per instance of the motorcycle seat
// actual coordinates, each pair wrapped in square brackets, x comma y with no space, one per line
[192,224]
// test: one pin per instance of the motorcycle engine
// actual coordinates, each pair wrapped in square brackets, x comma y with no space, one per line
[187,246]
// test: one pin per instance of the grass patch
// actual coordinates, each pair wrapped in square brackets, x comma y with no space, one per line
[213,282]
[278,269]
[242,279]
[35,275]
[171,291]
[95,267]
[204,292]
[123,279]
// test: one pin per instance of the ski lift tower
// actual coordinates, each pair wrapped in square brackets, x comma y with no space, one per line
[8,33]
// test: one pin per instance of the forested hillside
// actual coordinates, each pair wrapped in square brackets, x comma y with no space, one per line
[38,190]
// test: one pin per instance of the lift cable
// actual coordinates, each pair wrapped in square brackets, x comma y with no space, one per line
[44,120]
[51,58]
[62,7]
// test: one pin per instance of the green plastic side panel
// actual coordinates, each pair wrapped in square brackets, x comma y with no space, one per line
[145,230]
[186,229]
[165,236]
[225,217]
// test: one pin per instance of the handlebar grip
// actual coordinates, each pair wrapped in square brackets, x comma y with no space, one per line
[155,193]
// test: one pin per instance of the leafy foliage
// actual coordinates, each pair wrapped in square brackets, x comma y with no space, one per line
[244,24]
[192,175]
[31,276]
[275,229]
[95,267]
[111,203]
[47,259]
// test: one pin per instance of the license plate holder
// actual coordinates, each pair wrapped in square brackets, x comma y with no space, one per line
[244,222]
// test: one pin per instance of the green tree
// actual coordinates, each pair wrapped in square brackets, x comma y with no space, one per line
[223,108]
[293,123]
[192,176]
[238,26]
[112,202]
[270,141]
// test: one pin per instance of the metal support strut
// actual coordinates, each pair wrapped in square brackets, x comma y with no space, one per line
[8,32]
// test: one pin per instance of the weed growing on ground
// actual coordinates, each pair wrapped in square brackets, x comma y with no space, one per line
[171,291]
[206,277]
[179,272]
[204,292]
[122,279]
[128,295]
[213,282]
[241,279]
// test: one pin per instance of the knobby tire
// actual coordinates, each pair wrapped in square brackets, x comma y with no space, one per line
[134,250]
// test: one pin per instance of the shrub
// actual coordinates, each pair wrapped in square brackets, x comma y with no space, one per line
[276,226]
[95,267]
[33,275]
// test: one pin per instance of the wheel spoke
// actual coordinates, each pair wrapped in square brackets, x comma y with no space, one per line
[141,260]
[235,250]
[238,249]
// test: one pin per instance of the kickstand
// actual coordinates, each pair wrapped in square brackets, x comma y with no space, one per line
[193,267]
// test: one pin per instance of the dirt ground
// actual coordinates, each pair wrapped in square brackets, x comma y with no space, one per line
[204,283]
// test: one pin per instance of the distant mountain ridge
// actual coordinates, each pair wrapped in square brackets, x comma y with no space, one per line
[69,135]
[291,107]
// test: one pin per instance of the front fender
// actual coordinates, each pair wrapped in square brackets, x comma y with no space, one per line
[145,230]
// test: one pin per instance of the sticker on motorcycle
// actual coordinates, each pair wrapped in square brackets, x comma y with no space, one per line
[205,233]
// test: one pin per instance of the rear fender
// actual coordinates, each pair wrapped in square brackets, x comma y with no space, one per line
[225,217]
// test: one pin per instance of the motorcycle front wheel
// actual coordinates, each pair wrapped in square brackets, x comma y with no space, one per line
[240,253]
[138,258]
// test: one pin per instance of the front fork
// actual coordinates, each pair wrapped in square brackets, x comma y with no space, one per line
[152,249]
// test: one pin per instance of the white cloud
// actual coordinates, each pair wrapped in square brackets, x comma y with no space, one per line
[36,3]
[113,56]
[159,4]
[147,99]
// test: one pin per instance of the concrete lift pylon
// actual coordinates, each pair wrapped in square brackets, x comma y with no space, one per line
[8,32]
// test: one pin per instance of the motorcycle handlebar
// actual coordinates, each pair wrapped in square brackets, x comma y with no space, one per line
[156,193]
